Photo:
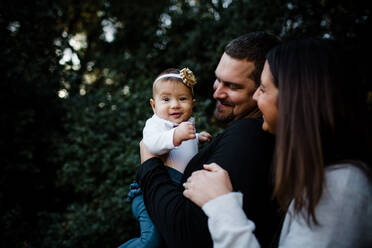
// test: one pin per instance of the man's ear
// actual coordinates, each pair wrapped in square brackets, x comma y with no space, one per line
[152,103]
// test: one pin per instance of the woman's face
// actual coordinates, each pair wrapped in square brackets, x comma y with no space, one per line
[267,99]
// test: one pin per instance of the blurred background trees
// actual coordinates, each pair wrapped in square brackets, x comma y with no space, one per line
[77,78]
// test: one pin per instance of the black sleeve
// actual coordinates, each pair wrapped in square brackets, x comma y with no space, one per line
[243,150]
[246,153]
[180,222]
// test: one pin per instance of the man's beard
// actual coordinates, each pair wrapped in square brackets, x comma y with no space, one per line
[222,115]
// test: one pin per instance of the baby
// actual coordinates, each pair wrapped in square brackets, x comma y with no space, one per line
[171,130]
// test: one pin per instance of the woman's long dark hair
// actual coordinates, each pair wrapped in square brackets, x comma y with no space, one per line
[321,118]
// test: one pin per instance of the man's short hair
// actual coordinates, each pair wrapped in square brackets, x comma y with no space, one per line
[252,47]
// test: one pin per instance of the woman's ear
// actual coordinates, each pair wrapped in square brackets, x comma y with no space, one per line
[152,103]
[193,102]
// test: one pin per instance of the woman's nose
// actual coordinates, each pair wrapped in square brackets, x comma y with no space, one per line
[256,94]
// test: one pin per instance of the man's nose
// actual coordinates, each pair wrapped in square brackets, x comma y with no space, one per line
[219,91]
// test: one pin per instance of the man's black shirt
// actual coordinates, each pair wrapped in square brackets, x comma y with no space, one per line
[245,151]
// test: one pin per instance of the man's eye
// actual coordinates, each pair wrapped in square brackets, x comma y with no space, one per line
[233,87]
[166,99]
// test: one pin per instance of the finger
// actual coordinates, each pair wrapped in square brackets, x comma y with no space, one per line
[188,186]
[212,167]
[186,193]
[194,175]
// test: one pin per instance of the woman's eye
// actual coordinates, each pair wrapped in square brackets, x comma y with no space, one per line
[262,89]
[183,99]
[166,99]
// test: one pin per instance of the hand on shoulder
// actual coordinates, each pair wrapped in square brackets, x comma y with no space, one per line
[208,184]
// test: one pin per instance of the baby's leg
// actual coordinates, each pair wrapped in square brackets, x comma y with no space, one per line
[175,175]
[150,238]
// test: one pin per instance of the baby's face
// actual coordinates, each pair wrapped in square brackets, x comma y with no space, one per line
[172,101]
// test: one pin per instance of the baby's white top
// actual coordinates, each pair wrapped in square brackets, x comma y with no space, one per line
[158,138]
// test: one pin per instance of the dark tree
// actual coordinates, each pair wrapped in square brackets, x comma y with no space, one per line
[77,77]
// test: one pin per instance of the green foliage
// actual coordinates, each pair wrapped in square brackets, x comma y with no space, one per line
[70,159]
[100,155]
[30,120]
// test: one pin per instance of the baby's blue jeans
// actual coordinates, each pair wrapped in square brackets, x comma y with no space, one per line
[150,237]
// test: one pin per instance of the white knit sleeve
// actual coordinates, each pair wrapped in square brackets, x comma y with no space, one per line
[228,224]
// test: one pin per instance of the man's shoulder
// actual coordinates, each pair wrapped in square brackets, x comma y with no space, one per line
[246,125]
[248,130]
[254,122]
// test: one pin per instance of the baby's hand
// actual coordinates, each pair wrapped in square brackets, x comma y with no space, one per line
[204,136]
[184,131]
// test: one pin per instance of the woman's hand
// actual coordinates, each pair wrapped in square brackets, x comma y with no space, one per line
[205,185]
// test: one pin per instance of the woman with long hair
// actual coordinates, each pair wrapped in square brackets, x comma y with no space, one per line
[311,99]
